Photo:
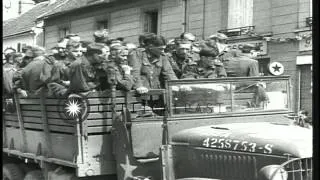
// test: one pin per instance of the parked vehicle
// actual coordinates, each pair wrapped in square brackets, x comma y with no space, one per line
[205,128]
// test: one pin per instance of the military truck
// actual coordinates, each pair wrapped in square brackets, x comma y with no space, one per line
[228,128]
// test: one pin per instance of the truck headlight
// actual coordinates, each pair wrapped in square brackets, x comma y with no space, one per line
[273,172]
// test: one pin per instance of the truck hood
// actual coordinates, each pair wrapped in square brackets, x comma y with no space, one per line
[265,138]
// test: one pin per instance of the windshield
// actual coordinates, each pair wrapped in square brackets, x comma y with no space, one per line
[219,96]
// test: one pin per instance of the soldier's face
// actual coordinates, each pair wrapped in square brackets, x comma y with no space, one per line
[18,60]
[62,51]
[156,50]
[29,53]
[10,60]
[212,42]
[76,52]
[113,53]
[121,57]
[183,50]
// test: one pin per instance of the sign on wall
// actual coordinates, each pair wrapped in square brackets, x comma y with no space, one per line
[305,44]
[260,44]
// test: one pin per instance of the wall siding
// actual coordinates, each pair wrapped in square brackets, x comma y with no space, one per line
[304,12]
[13,41]
[284,17]
[262,16]
[286,54]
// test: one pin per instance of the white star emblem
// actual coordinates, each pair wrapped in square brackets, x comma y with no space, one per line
[127,168]
[276,68]
[73,108]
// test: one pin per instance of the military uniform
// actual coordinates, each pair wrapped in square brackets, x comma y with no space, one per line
[211,66]
[37,74]
[185,68]
[241,66]
[82,76]
[86,76]
[8,74]
[208,51]
[148,71]
[111,68]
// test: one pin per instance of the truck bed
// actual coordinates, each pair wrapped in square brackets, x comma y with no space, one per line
[42,132]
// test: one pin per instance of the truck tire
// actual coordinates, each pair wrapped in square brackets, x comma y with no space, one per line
[34,175]
[12,172]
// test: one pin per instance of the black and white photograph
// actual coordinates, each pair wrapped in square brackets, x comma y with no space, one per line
[158,90]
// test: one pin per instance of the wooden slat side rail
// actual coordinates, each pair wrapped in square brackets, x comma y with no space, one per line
[21,125]
[38,120]
[100,129]
[45,125]
[92,108]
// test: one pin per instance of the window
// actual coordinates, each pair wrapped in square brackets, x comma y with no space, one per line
[216,96]
[263,66]
[240,13]
[19,47]
[63,32]
[103,24]
[151,21]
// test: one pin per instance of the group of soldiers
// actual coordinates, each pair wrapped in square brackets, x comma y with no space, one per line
[75,66]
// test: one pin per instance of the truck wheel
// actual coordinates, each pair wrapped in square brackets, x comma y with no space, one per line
[11,172]
[34,175]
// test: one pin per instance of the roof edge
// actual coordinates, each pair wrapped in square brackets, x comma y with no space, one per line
[71,10]
[17,34]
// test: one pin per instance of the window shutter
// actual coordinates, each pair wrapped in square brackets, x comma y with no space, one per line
[240,13]
[146,22]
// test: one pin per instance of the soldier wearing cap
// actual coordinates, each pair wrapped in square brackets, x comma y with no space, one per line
[151,66]
[35,75]
[28,56]
[74,49]
[170,47]
[210,64]
[101,36]
[187,36]
[82,74]
[184,62]
[142,39]
[93,72]
[214,45]
[9,69]
[211,68]
[61,72]
[67,52]
[238,64]
[60,53]
[116,66]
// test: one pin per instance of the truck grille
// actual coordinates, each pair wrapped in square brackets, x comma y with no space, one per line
[299,168]
[215,164]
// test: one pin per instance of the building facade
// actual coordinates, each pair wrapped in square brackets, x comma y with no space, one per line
[25,29]
[281,28]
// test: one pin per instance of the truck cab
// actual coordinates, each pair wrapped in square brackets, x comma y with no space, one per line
[241,141]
